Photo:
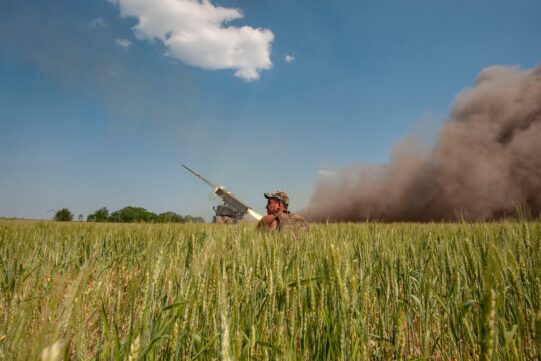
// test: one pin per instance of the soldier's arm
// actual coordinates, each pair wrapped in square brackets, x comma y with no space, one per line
[268,222]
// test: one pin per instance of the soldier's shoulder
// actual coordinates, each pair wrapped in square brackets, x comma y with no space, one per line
[295,216]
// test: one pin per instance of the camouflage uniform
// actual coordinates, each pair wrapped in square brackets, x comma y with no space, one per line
[285,220]
[290,222]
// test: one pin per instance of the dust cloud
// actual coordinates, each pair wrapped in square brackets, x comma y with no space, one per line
[484,165]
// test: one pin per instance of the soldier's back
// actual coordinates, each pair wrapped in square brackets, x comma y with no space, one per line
[291,222]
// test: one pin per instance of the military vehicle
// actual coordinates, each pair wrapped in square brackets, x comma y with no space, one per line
[226,214]
[232,210]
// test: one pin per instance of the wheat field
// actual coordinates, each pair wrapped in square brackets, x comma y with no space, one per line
[81,291]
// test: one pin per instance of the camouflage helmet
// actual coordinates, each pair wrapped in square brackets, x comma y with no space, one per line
[279,195]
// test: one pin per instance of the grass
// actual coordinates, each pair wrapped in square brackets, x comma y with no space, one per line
[338,292]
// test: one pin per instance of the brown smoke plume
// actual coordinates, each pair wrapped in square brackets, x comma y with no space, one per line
[485,163]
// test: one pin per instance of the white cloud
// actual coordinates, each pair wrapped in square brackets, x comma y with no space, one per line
[289,58]
[326,172]
[197,33]
[123,43]
[97,23]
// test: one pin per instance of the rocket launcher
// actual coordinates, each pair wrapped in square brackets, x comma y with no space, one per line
[228,199]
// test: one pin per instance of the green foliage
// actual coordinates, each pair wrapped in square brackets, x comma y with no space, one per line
[63,215]
[172,217]
[140,215]
[208,292]
[101,215]
[191,219]
[169,217]
[132,214]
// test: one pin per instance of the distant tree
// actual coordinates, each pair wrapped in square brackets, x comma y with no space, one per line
[63,215]
[133,214]
[169,217]
[101,215]
[191,219]
[138,214]
[80,217]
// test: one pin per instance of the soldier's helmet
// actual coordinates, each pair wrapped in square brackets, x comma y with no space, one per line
[279,195]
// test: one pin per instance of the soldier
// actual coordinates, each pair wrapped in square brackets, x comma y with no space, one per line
[278,217]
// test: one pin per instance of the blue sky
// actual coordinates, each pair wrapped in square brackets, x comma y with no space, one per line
[97,110]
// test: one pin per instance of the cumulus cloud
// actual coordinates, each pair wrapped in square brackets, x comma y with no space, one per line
[97,23]
[199,34]
[326,172]
[289,58]
[123,43]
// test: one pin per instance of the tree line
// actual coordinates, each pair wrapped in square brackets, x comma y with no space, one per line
[128,215]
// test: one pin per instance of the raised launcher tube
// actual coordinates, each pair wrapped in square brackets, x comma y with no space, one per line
[231,201]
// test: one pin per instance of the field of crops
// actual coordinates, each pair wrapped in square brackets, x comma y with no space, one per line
[339,292]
